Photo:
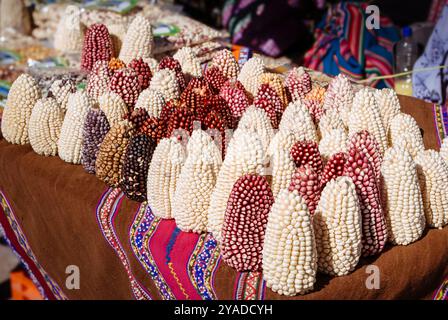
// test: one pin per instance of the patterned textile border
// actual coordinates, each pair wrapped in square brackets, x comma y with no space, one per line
[105,212]
[204,261]
[442,292]
[140,233]
[441,124]
[249,286]
[19,244]
[440,121]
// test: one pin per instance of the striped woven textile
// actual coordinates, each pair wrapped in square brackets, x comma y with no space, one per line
[343,44]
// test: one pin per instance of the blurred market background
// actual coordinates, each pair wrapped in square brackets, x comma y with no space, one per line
[383,43]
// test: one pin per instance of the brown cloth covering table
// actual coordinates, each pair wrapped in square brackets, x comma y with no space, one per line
[54,203]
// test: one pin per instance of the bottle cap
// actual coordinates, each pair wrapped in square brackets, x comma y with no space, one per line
[407,31]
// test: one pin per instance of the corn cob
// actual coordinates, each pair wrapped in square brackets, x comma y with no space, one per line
[196,182]
[22,97]
[143,72]
[170,63]
[70,139]
[245,223]
[61,89]
[315,109]
[365,115]
[389,105]
[289,251]
[95,129]
[215,78]
[281,162]
[236,98]
[113,107]
[317,93]
[329,121]
[307,182]
[256,120]
[45,126]
[333,168]
[166,83]
[125,83]
[298,119]
[333,142]
[116,64]
[433,177]
[339,96]
[249,75]
[403,124]
[338,228]
[276,82]
[97,46]
[138,41]
[366,144]
[110,157]
[362,172]
[307,152]
[298,83]
[136,162]
[245,154]
[226,63]
[69,34]
[163,175]
[99,79]
[403,201]
[152,101]
[190,64]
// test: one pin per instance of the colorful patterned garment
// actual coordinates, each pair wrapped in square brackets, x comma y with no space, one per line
[344,45]
[432,85]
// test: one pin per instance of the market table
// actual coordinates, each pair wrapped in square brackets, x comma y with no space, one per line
[55,215]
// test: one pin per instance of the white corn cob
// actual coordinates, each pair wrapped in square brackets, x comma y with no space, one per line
[70,140]
[339,96]
[99,79]
[226,63]
[251,70]
[45,126]
[152,63]
[333,142]
[289,252]
[329,121]
[22,97]
[413,144]
[69,33]
[365,115]
[163,174]
[138,41]
[196,182]
[152,101]
[165,82]
[189,62]
[113,107]
[282,165]
[298,119]
[61,89]
[337,227]
[433,177]
[404,124]
[444,150]
[389,105]
[257,120]
[245,154]
[403,202]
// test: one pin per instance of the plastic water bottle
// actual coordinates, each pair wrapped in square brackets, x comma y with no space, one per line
[406,53]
